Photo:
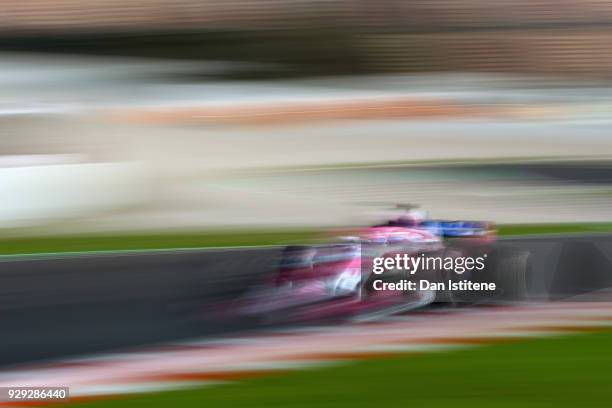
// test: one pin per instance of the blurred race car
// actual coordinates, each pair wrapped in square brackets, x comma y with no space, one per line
[334,281]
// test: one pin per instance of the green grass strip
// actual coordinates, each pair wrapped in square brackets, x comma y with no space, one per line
[126,242]
[537,229]
[160,241]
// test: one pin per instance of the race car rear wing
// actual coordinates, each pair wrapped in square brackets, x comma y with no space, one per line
[458,229]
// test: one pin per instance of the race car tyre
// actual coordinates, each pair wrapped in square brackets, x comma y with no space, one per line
[509,269]
[296,256]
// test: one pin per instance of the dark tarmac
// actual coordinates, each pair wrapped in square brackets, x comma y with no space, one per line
[55,307]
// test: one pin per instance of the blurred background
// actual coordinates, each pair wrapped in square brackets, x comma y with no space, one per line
[154,115]
[206,121]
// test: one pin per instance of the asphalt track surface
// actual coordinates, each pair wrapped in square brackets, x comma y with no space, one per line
[56,307]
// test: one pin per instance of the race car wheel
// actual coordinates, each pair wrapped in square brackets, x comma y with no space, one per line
[509,269]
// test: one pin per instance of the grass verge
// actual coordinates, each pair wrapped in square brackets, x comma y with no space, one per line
[82,243]
[535,229]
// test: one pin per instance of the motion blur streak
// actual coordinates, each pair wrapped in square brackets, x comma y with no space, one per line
[176,365]
[171,171]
